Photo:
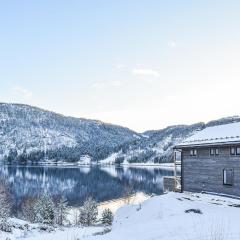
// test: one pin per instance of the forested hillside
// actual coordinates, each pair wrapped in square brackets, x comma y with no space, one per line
[32,134]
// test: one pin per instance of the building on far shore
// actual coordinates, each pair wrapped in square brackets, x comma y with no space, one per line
[210,161]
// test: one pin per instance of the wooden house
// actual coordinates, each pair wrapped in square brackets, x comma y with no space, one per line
[210,161]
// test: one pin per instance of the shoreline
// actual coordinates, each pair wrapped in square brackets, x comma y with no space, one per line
[65,164]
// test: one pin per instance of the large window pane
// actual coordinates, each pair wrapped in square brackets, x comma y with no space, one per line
[195,152]
[228,177]
[232,150]
[212,151]
[238,150]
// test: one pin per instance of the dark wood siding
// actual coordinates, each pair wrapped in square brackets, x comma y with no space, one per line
[205,172]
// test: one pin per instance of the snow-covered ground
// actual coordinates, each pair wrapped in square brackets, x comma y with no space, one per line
[110,160]
[33,232]
[172,216]
[150,165]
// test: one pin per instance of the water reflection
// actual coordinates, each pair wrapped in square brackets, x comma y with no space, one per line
[78,183]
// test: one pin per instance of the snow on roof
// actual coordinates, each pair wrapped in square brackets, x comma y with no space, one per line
[218,134]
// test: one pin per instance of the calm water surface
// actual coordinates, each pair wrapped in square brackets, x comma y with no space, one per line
[78,183]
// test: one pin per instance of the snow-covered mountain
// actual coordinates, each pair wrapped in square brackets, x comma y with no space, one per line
[155,146]
[30,133]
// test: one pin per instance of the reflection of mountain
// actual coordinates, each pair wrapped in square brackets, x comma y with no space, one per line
[135,174]
[77,183]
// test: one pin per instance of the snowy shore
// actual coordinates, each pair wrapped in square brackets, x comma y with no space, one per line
[172,216]
[109,163]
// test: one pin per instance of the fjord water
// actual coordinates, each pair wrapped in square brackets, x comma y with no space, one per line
[78,183]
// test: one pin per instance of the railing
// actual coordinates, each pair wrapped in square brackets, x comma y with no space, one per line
[177,184]
[172,184]
[177,164]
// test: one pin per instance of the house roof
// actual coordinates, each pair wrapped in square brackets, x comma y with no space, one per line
[217,135]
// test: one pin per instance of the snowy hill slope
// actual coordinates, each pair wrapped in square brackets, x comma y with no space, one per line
[155,146]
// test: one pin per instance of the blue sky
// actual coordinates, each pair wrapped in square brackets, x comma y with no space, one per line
[140,64]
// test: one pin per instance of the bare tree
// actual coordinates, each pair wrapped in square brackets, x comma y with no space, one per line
[28,209]
[5,207]
[128,193]
[61,211]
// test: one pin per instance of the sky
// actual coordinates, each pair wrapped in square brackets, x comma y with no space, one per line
[142,64]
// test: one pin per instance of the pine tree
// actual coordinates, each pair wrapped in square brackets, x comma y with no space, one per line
[23,157]
[45,210]
[12,155]
[88,213]
[107,217]
[61,211]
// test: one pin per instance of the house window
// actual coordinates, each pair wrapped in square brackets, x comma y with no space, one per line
[228,177]
[238,150]
[195,152]
[191,152]
[212,151]
[232,150]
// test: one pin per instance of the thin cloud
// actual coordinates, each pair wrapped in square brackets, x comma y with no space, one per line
[172,44]
[100,85]
[22,92]
[145,72]
[119,66]
[115,83]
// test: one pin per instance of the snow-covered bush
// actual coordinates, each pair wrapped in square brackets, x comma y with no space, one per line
[107,217]
[88,213]
[61,211]
[45,210]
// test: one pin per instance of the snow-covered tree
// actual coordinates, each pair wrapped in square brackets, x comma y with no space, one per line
[75,215]
[107,217]
[28,210]
[22,158]
[88,213]
[45,210]
[5,208]
[61,211]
